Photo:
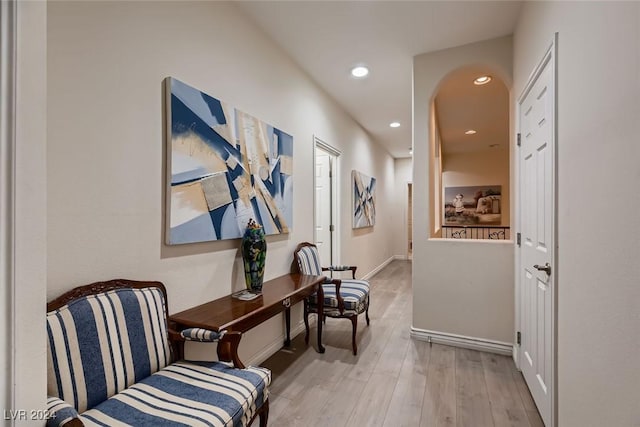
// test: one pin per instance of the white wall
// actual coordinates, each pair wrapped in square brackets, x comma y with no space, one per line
[366,247]
[7,84]
[598,226]
[107,62]
[403,174]
[449,277]
[30,256]
[469,289]
[479,168]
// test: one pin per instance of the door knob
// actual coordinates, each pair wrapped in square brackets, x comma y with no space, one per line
[546,268]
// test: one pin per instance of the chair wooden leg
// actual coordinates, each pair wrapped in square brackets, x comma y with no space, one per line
[306,323]
[366,313]
[320,321]
[264,415]
[354,324]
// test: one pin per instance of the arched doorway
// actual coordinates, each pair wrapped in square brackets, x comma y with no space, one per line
[471,156]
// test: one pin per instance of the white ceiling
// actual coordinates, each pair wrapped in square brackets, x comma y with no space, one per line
[461,105]
[327,38]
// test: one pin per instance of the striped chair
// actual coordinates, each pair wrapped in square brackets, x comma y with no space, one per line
[343,298]
[111,362]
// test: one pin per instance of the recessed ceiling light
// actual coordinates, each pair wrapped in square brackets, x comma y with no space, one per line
[360,71]
[470,132]
[394,124]
[482,80]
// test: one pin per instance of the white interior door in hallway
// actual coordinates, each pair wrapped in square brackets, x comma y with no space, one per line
[536,271]
[325,216]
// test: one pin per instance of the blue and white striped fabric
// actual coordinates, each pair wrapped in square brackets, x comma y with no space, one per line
[355,294]
[60,412]
[187,394]
[101,344]
[201,335]
[309,261]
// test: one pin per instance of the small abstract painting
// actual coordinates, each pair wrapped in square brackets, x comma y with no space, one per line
[364,200]
[473,205]
[224,168]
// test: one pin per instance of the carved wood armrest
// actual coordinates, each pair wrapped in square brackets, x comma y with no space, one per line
[176,341]
[175,336]
[353,269]
[228,349]
[337,283]
[61,413]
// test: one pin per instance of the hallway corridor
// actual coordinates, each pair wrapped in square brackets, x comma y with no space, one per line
[395,380]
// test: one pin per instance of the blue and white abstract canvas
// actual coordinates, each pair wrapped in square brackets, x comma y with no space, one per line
[225,167]
[364,200]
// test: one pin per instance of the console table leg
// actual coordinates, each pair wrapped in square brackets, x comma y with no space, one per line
[287,321]
[320,296]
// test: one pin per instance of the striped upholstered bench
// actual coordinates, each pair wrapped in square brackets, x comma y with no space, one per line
[113,360]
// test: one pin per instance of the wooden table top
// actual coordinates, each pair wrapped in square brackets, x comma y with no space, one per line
[237,315]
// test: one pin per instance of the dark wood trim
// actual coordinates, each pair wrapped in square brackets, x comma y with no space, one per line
[351,268]
[176,341]
[100,287]
[263,413]
[228,349]
[287,322]
[337,283]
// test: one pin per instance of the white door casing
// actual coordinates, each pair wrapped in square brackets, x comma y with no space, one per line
[323,206]
[536,273]
[326,217]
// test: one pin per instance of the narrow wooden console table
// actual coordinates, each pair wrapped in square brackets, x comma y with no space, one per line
[232,314]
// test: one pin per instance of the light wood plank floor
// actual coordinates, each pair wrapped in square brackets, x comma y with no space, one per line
[394,380]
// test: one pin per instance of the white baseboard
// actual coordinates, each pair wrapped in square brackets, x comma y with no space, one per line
[472,343]
[376,270]
[276,345]
[515,356]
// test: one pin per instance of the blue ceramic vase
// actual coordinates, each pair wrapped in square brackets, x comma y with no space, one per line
[254,252]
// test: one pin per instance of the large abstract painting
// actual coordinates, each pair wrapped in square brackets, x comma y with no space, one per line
[364,200]
[473,205]
[224,167]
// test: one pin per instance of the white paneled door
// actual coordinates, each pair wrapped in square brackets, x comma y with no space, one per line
[537,227]
[323,206]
